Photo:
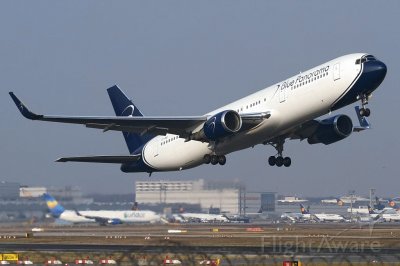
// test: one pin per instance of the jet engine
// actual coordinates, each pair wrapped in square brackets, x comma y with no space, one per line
[331,130]
[218,126]
[114,221]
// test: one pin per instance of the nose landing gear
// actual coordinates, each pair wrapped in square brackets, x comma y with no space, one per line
[279,160]
[364,112]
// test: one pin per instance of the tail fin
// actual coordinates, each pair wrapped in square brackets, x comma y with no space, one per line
[304,210]
[123,106]
[55,208]
[339,202]
[370,210]
[393,204]
[378,205]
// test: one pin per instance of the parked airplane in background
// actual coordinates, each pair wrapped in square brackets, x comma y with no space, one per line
[189,217]
[292,216]
[371,217]
[322,217]
[101,217]
[200,217]
[285,110]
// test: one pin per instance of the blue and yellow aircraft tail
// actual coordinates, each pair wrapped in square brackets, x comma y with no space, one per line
[55,208]
[123,106]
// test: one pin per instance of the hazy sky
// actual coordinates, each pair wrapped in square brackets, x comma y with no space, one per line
[188,58]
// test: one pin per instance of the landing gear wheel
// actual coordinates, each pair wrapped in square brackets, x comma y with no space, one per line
[272,160]
[279,161]
[214,159]
[365,112]
[287,161]
[221,159]
[364,101]
[207,158]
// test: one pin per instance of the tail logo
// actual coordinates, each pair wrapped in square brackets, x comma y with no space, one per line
[128,111]
[52,204]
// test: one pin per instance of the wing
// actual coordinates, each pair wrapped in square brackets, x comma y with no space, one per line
[158,125]
[174,125]
[102,159]
[100,220]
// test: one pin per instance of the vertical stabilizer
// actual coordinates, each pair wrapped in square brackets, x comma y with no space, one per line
[304,210]
[55,208]
[123,106]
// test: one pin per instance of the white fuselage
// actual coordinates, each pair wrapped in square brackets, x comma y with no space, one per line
[204,217]
[329,217]
[123,216]
[298,99]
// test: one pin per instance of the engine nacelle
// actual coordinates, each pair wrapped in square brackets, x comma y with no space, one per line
[114,221]
[332,130]
[218,126]
[222,124]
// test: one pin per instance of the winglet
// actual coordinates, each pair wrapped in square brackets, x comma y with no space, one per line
[23,109]
[364,124]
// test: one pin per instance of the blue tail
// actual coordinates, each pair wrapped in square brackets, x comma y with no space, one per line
[55,208]
[304,210]
[125,107]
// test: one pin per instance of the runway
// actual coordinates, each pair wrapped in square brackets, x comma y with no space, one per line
[272,242]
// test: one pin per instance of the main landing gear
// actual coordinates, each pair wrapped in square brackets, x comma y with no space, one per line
[214,159]
[279,160]
[365,112]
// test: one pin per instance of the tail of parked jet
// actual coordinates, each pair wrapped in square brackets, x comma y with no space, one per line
[370,210]
[339,202]
[304,210]
[393,204]
[378,205]
[55,208]
[123,106]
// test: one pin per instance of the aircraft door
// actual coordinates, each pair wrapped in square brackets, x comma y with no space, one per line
[282,94]
[336,71]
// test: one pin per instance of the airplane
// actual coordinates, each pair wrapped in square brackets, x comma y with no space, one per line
[286,110]
[185,217]
[203,217]
[292,216]
[388,214]
[322,217]
[371,217]
[102,217]
[336,201]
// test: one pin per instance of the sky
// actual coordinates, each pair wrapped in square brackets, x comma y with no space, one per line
[188,58]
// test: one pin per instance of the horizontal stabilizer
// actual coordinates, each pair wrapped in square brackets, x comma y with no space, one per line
[101,159]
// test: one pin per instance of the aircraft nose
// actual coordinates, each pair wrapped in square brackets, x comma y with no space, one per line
[376,70]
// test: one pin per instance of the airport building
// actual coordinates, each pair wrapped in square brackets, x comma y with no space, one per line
[213,196]
[209,195]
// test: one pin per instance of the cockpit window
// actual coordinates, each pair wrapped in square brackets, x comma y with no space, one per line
[365,59]
[370,58]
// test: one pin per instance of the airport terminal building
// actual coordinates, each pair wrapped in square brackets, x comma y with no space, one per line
[225,196]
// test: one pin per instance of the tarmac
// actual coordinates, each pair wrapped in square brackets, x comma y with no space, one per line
[234,242]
